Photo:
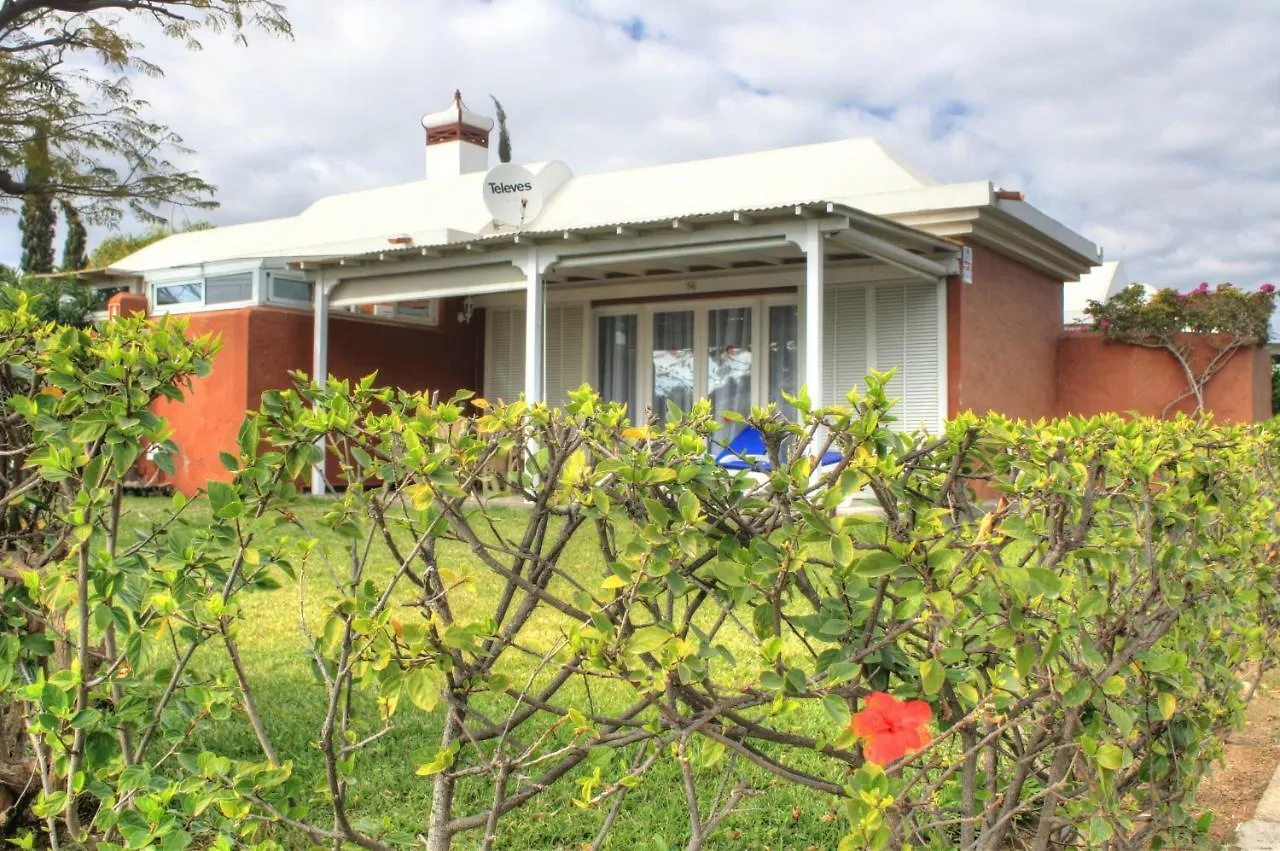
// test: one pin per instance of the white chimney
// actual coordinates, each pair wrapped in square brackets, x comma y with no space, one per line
[457,141]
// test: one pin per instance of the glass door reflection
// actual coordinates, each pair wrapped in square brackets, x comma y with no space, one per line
[730,364]
[673,362]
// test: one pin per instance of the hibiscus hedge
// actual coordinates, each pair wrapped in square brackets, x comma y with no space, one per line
[1008,634]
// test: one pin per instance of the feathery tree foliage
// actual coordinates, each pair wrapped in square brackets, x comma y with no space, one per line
[65,67]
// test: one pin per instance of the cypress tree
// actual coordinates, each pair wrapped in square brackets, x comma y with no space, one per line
[75,247]
[37,222]
[504,139]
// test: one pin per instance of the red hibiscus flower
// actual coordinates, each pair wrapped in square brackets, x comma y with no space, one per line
[892,728]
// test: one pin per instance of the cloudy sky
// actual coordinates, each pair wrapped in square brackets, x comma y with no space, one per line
[1149,126]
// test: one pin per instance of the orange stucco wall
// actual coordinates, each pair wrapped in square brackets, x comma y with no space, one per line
[1002,339]
[1096,376]
[261,345]
[409,356]
[209,420]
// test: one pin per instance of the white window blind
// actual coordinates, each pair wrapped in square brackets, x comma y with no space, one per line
[565,353]
[844,335]
[504,364]
[898,323]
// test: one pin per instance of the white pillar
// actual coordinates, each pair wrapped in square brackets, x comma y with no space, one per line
[320,365]
[534,326]
[814,268]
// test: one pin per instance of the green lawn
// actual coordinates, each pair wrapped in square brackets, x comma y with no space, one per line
[384,787]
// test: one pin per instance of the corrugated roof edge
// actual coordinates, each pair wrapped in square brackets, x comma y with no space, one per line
[832,208]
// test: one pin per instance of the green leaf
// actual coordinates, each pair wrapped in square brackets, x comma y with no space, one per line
[422,686]
[1109,757]
[1114,686]
[842,550]
[932,676]
[837,708]
[647,639]
[875,564]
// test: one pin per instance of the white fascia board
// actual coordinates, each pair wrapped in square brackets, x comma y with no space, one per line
[952,196]
[444,283]
[183,274]
[1055,230]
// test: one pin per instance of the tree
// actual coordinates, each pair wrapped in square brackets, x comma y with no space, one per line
[64,76]
[76,244]
[504,138]
[119,246]
[37,221]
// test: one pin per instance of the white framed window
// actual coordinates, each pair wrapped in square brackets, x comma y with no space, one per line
[224,289]
[288,290]
[172,295]
[423,312]
[178,293]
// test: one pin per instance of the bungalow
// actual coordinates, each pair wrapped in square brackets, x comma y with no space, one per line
[734,279]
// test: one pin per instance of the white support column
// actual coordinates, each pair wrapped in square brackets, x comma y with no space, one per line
[534,328]
[320,363]
[814,269]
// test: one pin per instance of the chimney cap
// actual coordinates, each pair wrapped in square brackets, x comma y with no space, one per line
[456,115]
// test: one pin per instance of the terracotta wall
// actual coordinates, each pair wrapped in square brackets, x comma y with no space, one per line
[209,420]
[414,357]
[1096,376]
[261,345]
[1002,338]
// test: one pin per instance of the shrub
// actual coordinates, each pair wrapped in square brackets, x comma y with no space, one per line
[1076,637]
[1228,319]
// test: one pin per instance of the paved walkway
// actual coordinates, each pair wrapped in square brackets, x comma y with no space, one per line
[1262,832]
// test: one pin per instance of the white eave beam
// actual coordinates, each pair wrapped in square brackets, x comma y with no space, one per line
[894,255]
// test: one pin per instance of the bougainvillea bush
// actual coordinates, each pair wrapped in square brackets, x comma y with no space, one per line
[1005,635]
[1228,319]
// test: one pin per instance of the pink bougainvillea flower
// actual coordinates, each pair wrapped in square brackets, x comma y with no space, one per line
[1267,288]
[891,728]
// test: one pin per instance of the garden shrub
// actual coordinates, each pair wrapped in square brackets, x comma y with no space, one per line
[1054,664]
[1225,318]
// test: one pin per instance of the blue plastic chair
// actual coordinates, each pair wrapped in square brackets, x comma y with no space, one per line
[747,452]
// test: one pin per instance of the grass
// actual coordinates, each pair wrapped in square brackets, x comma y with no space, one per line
[383,787]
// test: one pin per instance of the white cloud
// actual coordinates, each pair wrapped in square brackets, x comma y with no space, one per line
[1150,126]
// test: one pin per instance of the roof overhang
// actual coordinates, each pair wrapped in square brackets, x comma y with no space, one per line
[729,240]
[973,212]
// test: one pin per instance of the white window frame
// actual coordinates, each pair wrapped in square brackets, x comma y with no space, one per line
[269,290]
[198,274]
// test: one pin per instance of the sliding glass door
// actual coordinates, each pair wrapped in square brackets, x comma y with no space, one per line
[736,353]
[617,350]
[730,368]
[673,361]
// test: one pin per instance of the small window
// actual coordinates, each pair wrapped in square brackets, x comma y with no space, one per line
[227,288]
[287,289]
[170,294]
[423,311]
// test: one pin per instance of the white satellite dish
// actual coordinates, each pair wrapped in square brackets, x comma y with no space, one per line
[511,195]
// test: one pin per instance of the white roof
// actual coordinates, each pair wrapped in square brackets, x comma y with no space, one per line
[1099,284]
[858,172]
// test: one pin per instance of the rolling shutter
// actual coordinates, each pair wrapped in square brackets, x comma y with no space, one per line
[504,356]
[844,334]
[566,346]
